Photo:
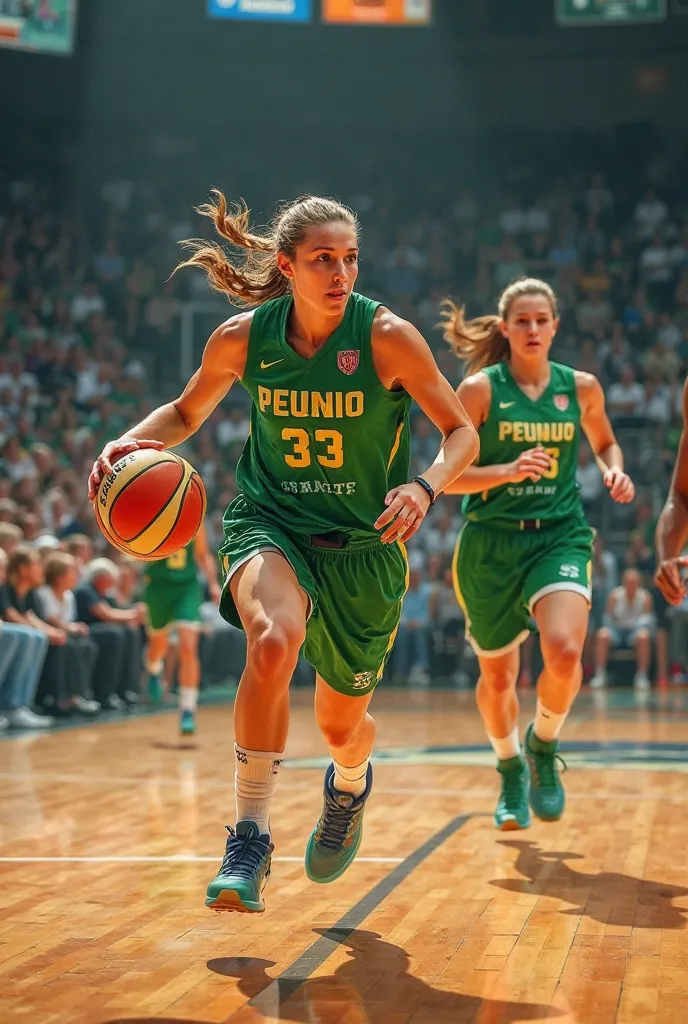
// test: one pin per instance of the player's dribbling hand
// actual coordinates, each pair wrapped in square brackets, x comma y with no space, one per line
[669,580]
[621,487]
[406,509]
[112,451]
[530,465]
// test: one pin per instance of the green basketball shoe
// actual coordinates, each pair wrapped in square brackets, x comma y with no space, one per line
[244,872]
[336,838]
[512,811]
[547,797]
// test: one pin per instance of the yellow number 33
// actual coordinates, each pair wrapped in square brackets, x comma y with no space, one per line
[300,455]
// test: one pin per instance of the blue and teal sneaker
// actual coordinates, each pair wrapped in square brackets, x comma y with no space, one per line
[547,797]
[155,691]
[187,723]
[336,838]
[244,872]
[512,811]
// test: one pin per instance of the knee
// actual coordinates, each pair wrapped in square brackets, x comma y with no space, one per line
[499,681]
[188,645]
[561,655]
[273,648]
[642,635]
[604,634]
[338,734]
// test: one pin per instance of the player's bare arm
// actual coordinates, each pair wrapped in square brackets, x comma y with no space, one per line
[672,527]
[475,392]
[206,563]
[403,359]
[223,363]
[600,434]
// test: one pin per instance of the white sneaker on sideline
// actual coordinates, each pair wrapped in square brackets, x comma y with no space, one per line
[25,718]
[598,681]
[641,682]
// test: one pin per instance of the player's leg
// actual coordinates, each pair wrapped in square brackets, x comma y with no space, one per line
[156,597]
[187,620]
[604,641]
[189,675]
[272,607]
[557,589]
[488,581]
[349,731]
[499,709]
[562,618]
[360,593]
[642,645]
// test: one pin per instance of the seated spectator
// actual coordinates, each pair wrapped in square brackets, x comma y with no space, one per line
[657,409]
[625,399]
[628,623]
[22,653]
[590,483]
[10,536]
[656,270]
[448,628]
[594,315]
[412,647]
[116,632]
[58,608]
[81,548]
[650,214]
[19,605]
[661,362]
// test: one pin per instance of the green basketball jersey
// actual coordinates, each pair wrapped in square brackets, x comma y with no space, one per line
[516,423]
[178,568]
[327,439]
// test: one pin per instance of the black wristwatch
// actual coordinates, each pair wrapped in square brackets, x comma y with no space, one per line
[428,488]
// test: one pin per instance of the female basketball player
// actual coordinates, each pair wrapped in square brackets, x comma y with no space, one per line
[313,544]
[526,549]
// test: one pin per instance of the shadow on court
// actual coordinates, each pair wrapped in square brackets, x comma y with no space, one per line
[606,896]
[175,745]
[372,985]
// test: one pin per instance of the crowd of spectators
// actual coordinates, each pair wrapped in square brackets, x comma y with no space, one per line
[89,342]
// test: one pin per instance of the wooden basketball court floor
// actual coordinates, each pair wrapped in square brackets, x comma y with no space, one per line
[110,832]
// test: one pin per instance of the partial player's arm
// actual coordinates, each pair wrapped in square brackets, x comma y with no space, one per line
[403,358]
[206,563]
[476,394]
[223,362]
[600,434]
[672,527]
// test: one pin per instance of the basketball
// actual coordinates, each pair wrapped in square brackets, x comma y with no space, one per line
[151,505]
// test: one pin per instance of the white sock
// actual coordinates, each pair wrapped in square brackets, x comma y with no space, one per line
[188,698]
[350,780]
[255,779]
[507,747]
[547,725]
[153,668]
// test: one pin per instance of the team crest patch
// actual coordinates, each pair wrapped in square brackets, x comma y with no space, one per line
[363,679]
[561,402]
[347,361]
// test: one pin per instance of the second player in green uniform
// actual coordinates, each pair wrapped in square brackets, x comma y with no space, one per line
[525,550]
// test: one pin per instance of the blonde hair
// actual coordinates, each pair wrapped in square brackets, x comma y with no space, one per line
[255,277]
[480,342]
[57,565]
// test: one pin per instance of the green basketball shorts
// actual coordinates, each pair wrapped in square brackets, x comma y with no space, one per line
[501,572]
[355,594]
[173,604]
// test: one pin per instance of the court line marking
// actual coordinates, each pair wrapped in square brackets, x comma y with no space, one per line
[175,858]
[312,958]
[38,777]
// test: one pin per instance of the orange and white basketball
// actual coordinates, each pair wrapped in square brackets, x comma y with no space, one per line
[152,505]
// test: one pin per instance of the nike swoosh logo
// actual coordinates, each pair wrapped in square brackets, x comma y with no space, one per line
[506,405]
[266,366]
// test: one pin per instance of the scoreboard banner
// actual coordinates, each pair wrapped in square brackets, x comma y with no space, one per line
[261,10]
[44,26]
[571,13]
[377,12]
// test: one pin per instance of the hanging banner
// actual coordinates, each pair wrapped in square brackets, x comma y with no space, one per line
[377,12]
[261,10]
[45,26]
